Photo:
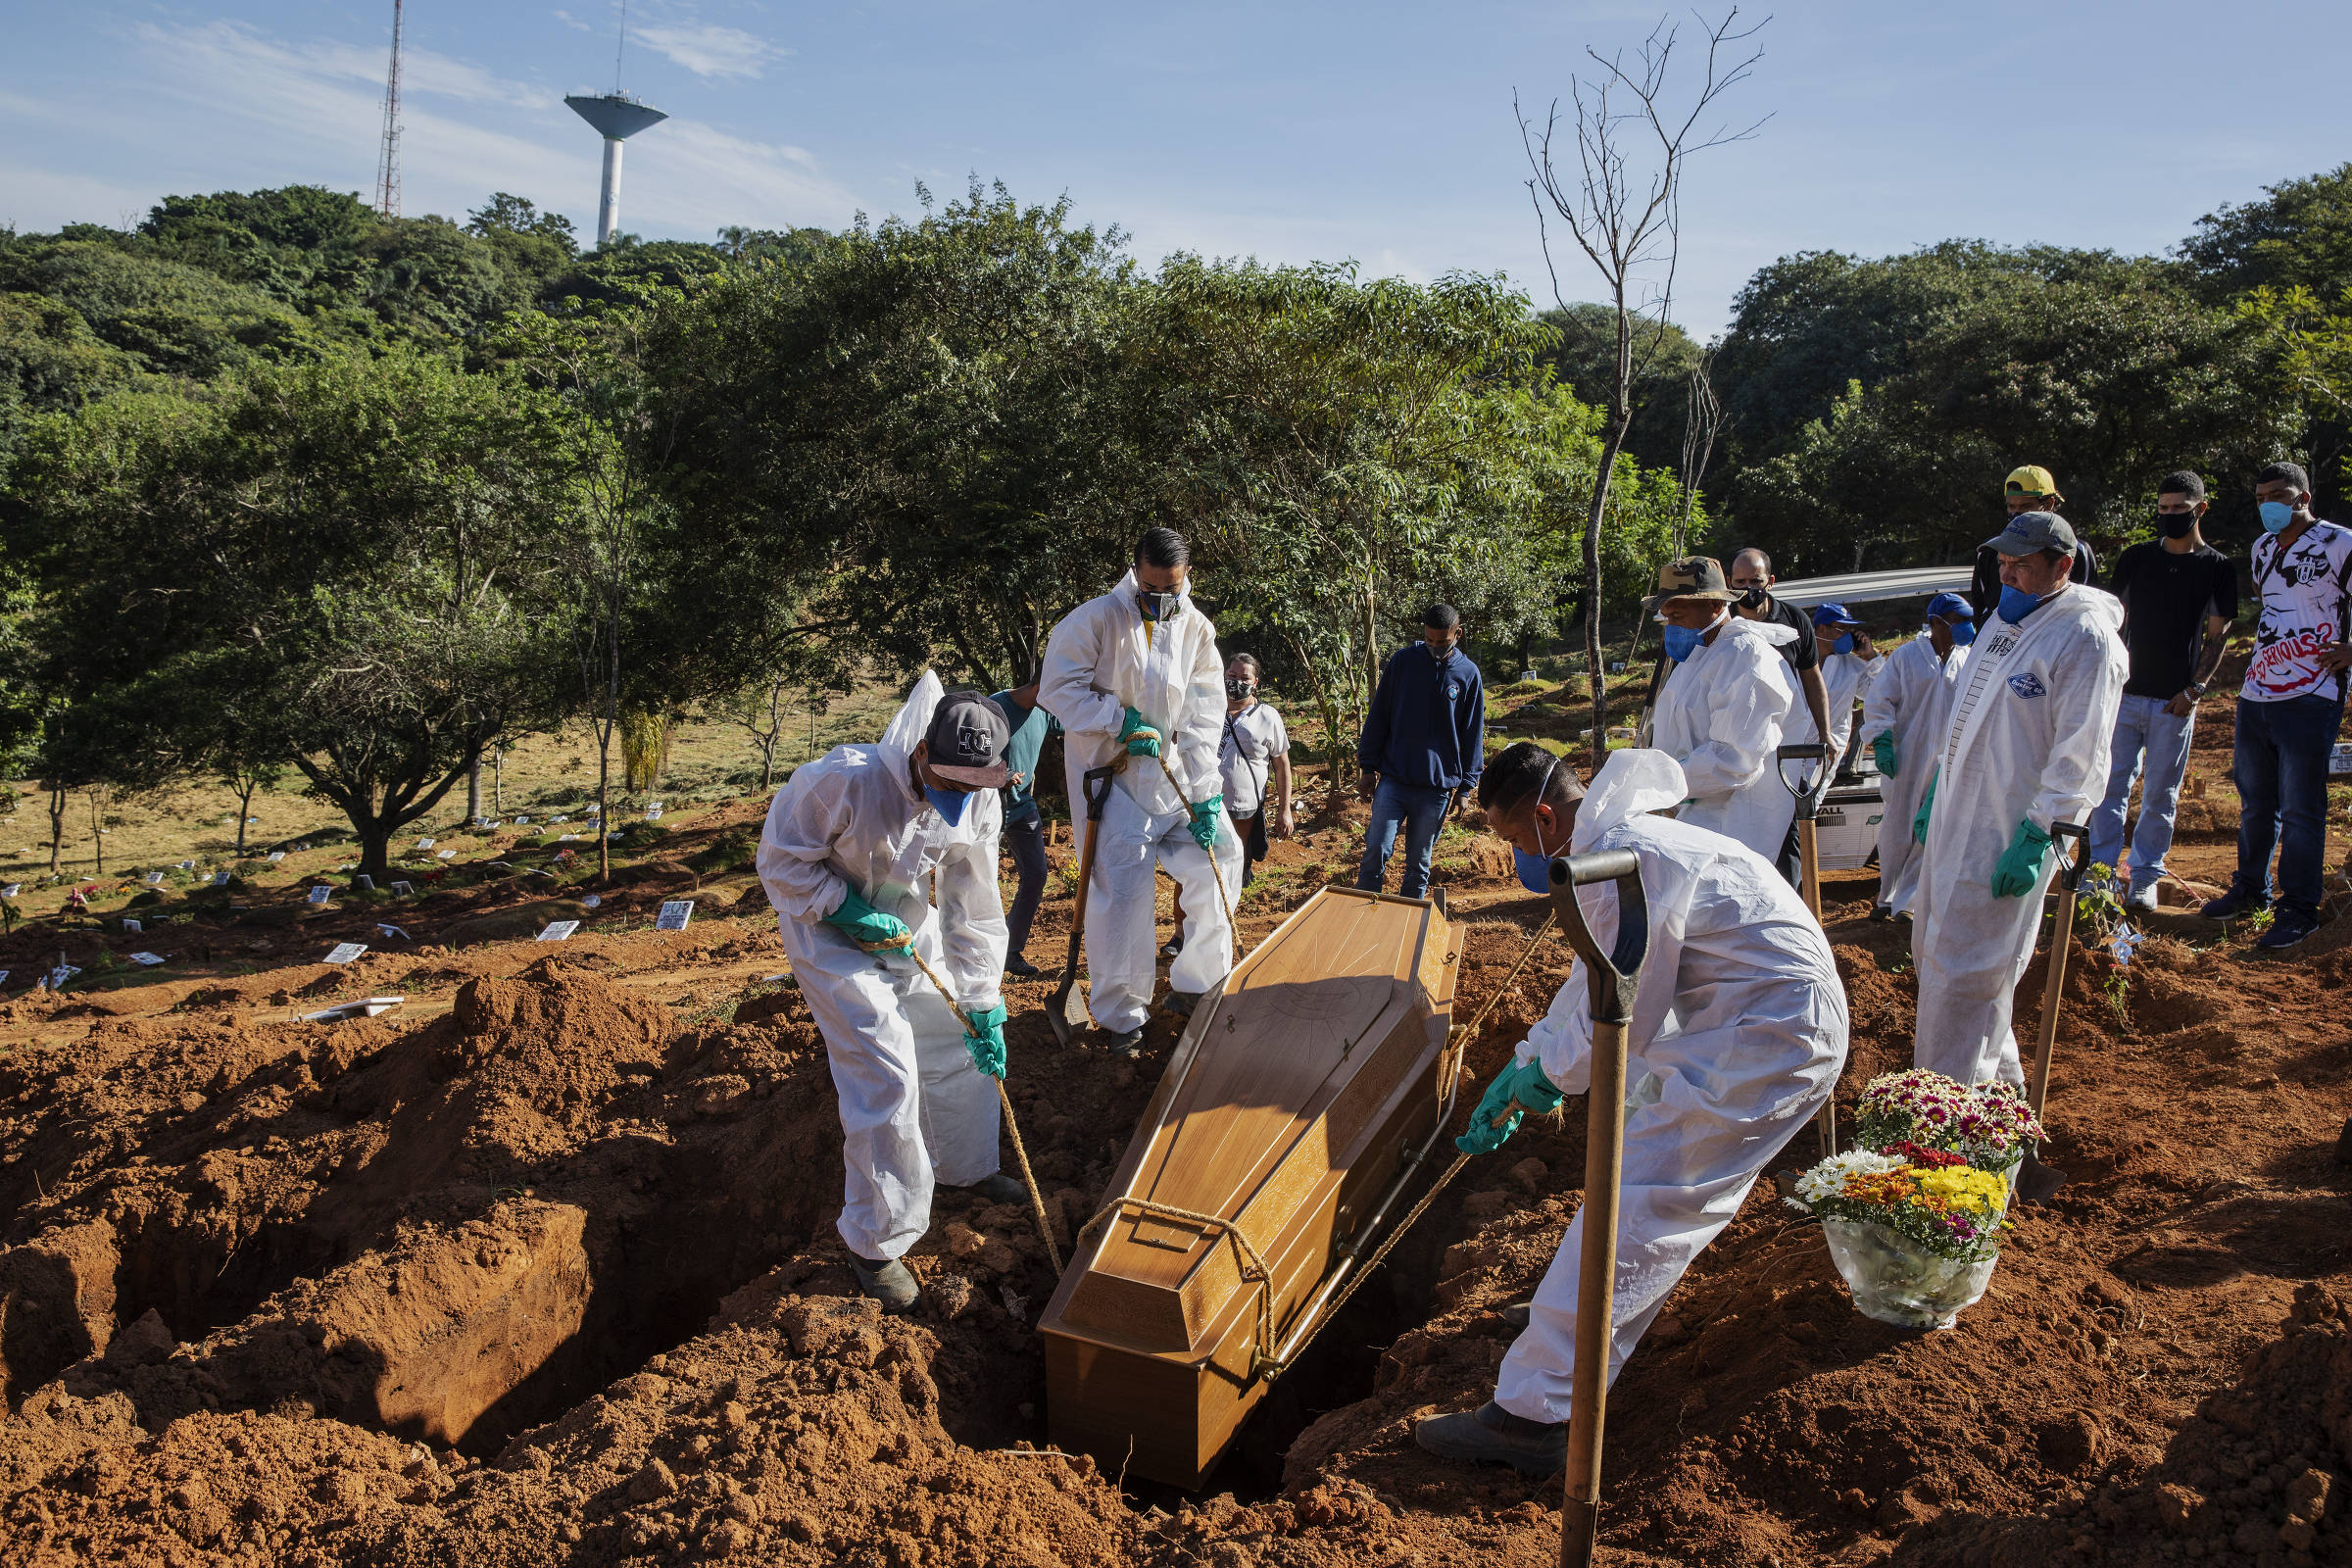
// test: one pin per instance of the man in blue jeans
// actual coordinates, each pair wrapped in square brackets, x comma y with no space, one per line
[2289,708]
[1423,747]
[2180,596]
[1024,825]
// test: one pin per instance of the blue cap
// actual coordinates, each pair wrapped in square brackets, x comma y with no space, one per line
[1949,603]
[1833,615]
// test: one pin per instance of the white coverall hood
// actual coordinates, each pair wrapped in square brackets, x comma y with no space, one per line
[1721,713]
[2033,715]
[1738,1035]
[913,1109]
[1910,699]
[1103,659]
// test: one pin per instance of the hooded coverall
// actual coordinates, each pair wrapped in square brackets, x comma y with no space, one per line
[913,1109]
[1912,700]
[1720,713]
[1738,1035]
[2032,717]
[1103,659]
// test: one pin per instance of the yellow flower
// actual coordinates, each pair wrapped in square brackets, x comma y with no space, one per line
[1964,1187]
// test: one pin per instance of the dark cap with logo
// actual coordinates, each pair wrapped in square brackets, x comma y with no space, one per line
[969,736]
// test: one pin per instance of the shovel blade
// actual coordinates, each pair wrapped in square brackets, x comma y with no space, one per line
[2036,1181]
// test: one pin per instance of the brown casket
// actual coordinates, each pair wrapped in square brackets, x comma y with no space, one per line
[1301,1094]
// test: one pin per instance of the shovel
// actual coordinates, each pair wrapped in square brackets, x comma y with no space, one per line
[2036,1181]
[1808,849]
[1066,1009]
[1610,981]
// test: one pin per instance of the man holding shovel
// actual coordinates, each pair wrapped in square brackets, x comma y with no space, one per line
[1736,1036]
[851,845]
[1136,672]
[2025,749]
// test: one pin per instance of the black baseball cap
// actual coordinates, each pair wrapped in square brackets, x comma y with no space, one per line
[969,736]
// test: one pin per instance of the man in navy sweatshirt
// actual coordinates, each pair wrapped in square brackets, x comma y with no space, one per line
[1424,742]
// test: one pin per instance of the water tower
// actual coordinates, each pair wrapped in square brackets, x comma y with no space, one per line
[616,116]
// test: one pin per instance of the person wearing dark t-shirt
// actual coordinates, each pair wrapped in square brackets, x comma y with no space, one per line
[2180,596]
[2026,489]
[1753,579]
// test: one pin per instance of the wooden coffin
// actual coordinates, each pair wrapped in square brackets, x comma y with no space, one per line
[1294,1093]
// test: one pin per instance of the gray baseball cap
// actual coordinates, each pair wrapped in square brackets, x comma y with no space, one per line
[2030,532]
[969,736]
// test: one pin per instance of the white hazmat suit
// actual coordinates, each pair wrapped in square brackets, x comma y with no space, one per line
[1847,679]
[913,1109]
[1103,659]
[1738,1035]
[2032,717]
[1720,714]
[1912,699]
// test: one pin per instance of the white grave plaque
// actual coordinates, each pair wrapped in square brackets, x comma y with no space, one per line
[559,930]
[219,879]
[11,890]
[128,924]
[3,977]
[424,844]
[653,813]
[568,838]
[320,894]
[345,951]
[558,818]
[148,959]
[522,821]
[592,810]
[188,865]
[61,974]
[277,856]
[675,915]
[402,889]
[365,882]
[154,879]
[444,855]
[392,931]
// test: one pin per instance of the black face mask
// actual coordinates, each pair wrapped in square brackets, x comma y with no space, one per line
[2176,524]
[1240,690]
[1754,597]
[1159,606]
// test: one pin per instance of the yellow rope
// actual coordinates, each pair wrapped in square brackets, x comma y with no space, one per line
[1252,1266]
[1232,928]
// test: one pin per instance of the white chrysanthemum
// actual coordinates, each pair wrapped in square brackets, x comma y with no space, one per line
[1828,1179]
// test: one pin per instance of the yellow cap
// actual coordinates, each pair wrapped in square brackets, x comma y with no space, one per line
[2032,482]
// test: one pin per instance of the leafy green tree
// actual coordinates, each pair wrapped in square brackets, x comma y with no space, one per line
[345,564]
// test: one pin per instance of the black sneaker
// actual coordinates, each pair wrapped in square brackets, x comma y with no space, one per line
[996,1188]
[1021,968]
[890,1283]
[1174,948]
[1515,1314]
[1130,1043]
[2287,927]
[1182,1003]
[1882,911]
[1492,1434]
[2232,906]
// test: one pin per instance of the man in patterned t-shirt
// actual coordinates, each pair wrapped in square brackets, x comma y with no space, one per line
[2290,707]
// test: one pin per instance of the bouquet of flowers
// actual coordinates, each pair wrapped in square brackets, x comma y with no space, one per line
[1990,1126]
[1935,1199]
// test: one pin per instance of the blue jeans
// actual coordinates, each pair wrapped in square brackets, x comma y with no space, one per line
[2144,728]
[2281,767]
[1422,812]
[1027,843]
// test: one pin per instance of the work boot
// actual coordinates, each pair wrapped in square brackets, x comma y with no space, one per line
[1174,947]
[2288,927]
[996,1188]
[1882,911]
[888,1283]
[1492,1435]
[1182,1003]
[1021,968]
[2234,904]
[1516,1313]
[1129,1044]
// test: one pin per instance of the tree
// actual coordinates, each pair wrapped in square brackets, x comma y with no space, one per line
[353,559]
[758,712]
[1629,227]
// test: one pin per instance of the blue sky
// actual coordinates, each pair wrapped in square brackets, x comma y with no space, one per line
[1378,132]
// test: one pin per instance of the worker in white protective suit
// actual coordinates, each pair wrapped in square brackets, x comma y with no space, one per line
[1850,664]
[1723,705]
[2027,747]
[1738,1035]
[1903,718]
[1137,671]
[852,844]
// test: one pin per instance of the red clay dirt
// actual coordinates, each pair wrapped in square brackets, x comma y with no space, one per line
[540,1270]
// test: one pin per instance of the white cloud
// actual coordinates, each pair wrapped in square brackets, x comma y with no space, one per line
[710,50]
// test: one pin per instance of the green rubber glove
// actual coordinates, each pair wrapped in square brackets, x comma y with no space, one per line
[1521,1082]
[1141,738]
[868,926]
[2017,871]
[984,1037]
[1206,817]
[1882,747]
[1926,804]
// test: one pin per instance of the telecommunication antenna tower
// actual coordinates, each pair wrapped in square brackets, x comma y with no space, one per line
[387,173]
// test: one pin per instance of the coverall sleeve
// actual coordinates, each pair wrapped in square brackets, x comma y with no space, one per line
[1471,718]
[2087,688]
[1200,731]
[1884,701]
[795,845]
[1561,1042]
[1742,730]
[1066,688]
[1373,744]
[971,914]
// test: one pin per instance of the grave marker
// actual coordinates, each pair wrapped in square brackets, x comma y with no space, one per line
[154,879]
[392,931]
[128,924]
[402,889]
[277,856]
[559,930]
[345,951]
[320,894]
[675,915]
[150,959]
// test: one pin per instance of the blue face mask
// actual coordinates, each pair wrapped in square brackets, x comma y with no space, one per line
[1680,642]
[2017,603]
[2276,514]
[1843,645]
[1963,632]
[1535,870]
[949,803]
